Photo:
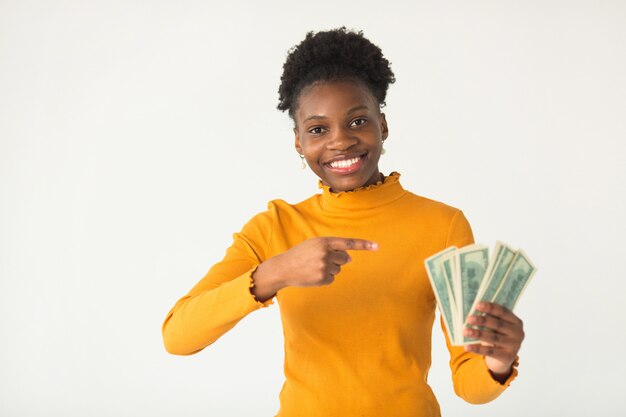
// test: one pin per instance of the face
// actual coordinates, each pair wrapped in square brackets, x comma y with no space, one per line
[340,131]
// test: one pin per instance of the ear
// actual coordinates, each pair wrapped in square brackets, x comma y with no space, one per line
[383,126]
[297,140]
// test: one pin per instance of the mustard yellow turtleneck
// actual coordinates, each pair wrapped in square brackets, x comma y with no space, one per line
[360,346]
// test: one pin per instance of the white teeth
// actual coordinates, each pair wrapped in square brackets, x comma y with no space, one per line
[345,163]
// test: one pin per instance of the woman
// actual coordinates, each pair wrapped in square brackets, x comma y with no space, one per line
[347,265]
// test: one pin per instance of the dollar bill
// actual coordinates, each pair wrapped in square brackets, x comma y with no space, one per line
[461,278]
[449,263]
[517,278]
[473,263]
[443,293]
[499,266]
[448,274]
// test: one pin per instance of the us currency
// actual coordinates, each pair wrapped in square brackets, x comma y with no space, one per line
[449,275]
[449,263]
[461,278]
[473,263]
[498,267]
[517,278]
[443,293]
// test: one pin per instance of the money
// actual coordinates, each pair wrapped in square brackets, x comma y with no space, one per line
[499,266]
[517,278]
[473,263]
[461,278]
[441,288]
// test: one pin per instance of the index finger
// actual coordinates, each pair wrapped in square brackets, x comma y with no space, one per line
[344,243]
[499,311]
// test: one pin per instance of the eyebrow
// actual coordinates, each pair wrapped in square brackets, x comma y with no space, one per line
[355,108]
[314,117]
[350,111]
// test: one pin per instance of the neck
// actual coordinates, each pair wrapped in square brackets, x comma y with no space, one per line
[375,179]
[384,191]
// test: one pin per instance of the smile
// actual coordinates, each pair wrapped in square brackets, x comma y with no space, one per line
[345,163]
[345,166]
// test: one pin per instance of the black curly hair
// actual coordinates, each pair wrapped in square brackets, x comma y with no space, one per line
[333,55]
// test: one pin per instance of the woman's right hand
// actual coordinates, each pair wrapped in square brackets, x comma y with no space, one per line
[312,263]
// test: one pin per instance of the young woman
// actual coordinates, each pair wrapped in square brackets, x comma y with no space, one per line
[347,265]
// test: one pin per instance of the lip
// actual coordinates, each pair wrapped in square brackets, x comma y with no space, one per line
[344,157]
[345,170]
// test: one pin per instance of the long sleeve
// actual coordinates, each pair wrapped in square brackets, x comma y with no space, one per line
[471,377]
[222,298]
[369,332]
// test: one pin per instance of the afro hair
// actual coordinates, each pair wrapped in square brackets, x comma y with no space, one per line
[333,55]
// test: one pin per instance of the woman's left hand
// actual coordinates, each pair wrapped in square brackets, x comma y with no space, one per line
[502,333]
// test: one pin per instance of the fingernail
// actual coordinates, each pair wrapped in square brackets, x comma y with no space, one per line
[374,245]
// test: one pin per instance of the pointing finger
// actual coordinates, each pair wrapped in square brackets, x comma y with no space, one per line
[342,243]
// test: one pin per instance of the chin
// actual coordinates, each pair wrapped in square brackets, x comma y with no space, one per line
[346,182]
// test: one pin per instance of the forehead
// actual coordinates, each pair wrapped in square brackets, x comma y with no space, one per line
[334,98]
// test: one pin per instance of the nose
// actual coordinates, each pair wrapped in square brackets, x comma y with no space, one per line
[341,140]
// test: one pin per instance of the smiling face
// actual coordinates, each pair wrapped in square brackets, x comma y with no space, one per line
[340,131]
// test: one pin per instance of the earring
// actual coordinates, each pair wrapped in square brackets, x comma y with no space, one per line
[303,163]
[383,151]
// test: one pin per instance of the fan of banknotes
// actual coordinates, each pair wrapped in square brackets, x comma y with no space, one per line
[461,278]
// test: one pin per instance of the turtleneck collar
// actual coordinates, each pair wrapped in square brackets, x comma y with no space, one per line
[383,192]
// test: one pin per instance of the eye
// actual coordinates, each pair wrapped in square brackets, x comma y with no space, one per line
[358,122]
[317,130]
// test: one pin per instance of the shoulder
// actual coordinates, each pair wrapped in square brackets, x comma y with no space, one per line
[277,209]
[441,221]
[433,209]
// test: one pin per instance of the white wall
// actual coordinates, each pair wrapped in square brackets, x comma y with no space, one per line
[136,136]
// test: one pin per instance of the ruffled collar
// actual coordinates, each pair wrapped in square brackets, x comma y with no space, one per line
[383,192]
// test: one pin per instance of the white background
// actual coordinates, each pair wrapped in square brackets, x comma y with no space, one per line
[137,136]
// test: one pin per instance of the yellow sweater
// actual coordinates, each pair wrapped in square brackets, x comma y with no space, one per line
[360,346]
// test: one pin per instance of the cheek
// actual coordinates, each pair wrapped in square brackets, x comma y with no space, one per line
[311,159]
[312,149]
